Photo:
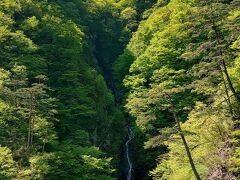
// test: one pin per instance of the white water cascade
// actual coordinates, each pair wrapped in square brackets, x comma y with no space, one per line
[130,165]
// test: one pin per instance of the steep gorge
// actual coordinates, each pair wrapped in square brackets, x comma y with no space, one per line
[127,89]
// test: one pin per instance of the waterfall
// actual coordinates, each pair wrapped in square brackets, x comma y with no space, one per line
[130,166]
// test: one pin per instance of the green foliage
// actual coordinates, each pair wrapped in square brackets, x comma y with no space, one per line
[27,118]
[51,43]
[7,165]
[58,118]
[235,158]
[206,132]
[79,162]
[184,52]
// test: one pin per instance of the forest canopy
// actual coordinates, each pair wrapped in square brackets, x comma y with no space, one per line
[119,89]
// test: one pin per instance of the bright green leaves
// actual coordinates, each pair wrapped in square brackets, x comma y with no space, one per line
[62,33]
[80,162]
[205,131]
[5,20]
[93,164]
[157,67]
[39,167]
[43,130]
[12,40]
[10,6]
[13,43]
[148,101]
[234,160]
[182,54]
[128,13]
[165,41]
[27,116]
[54,39]
[7,165]
[30,23]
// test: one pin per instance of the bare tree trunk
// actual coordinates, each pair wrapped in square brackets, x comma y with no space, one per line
[223,63]
[235,94]
[185,144]
[227,94]
[31,142]
[95,136]
[33,108]
[29,132]
[43,147]
[30,121]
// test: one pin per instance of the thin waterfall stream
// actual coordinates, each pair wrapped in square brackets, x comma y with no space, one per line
[130,165]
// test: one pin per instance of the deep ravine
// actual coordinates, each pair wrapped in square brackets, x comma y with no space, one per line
[127,169]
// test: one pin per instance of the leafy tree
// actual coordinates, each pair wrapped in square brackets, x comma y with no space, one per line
[27,116]
[178,61]
[205,130]
[7,164]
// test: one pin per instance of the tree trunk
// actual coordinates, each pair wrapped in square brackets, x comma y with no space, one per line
[95,137]
[29,132]
[185,145]
[227,94]
[223,63]
[30,121]
[31,142]
[235,94]
[43,147]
